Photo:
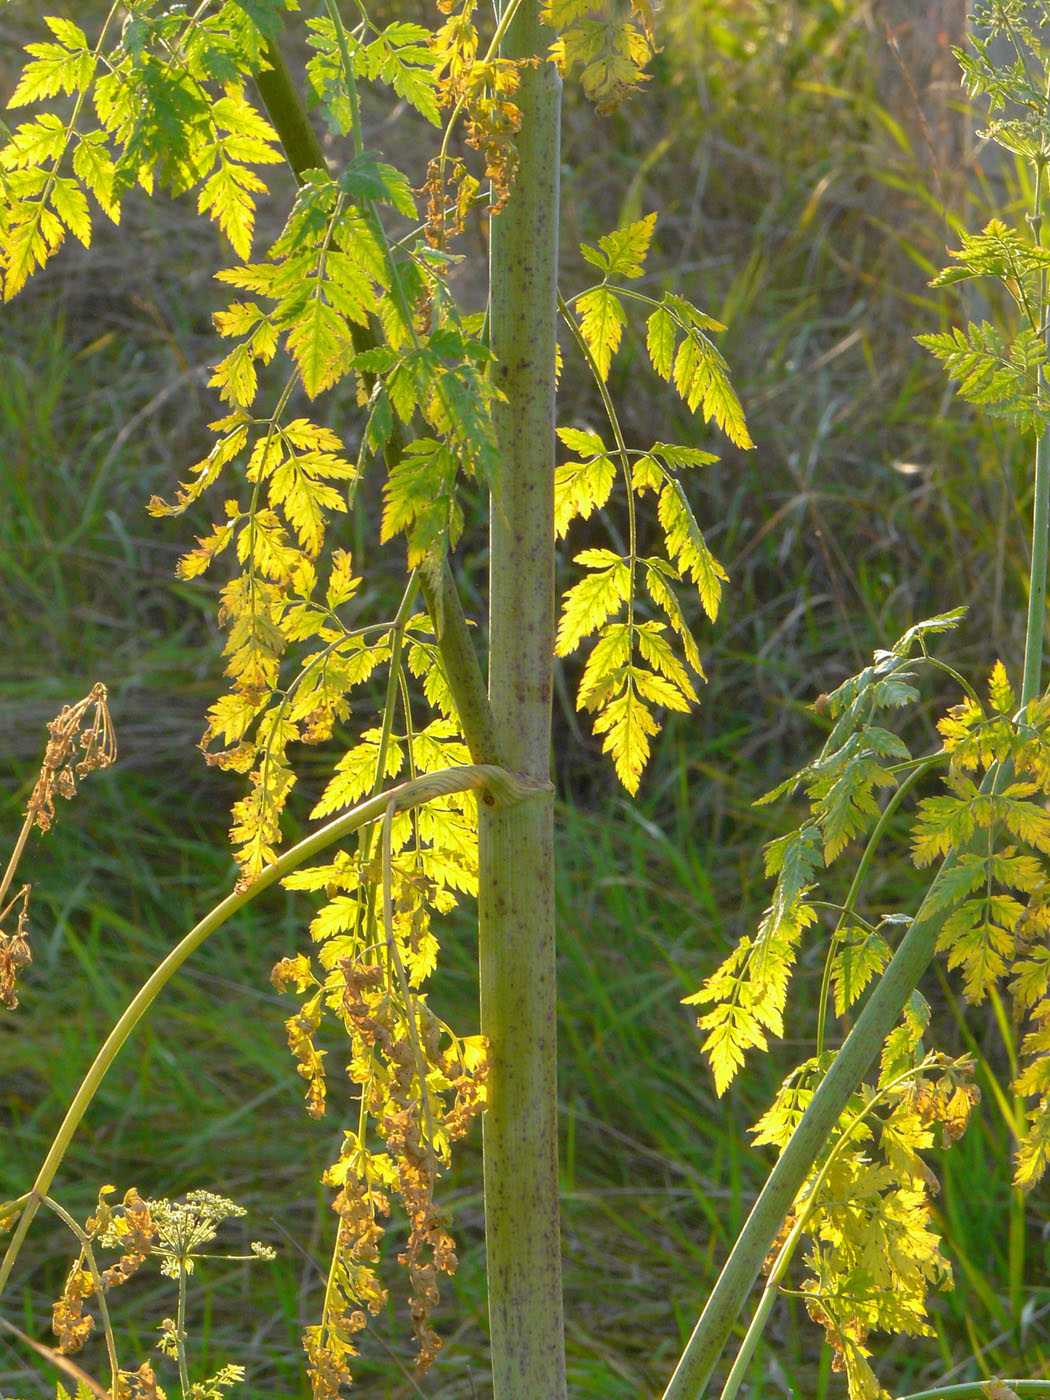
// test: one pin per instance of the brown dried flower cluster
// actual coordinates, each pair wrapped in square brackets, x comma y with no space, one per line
[88,720]
[422,1095]
[14,947]
[130,1226]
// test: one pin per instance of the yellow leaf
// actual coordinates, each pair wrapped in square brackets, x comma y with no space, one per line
[594,599]
[601,325]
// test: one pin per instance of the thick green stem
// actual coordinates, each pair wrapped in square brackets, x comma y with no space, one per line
[516,903]
[303,151]
[285,109]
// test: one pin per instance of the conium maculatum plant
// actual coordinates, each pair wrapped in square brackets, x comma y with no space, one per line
[353,295]
[850,1181]
[349,362]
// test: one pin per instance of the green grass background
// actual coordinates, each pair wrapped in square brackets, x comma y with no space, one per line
[810,171]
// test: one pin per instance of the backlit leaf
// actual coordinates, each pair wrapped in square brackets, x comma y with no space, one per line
[592,601]
[602,322]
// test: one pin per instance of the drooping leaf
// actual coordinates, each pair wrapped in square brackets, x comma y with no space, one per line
[601,324]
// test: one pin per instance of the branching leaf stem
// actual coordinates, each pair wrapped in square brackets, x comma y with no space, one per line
[857,882]
[776,1273]
[502,786]
[621,448]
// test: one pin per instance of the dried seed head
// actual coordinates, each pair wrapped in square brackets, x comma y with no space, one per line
[14,947]
[87,721]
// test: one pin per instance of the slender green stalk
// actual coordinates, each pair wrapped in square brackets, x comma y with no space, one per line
[1012,1109]
[180,1332]
[516,900]
[858,878]
[978,1390]
[500,786]
[96,1279]
[1031,684]
[15,857]
[461,664]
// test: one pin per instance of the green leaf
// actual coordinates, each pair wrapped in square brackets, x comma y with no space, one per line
[304,501]
[193,564]
[647,474]
[656,575]
[601,325]
[660,341]
[606,669]
[687,548]
[28,243]
[999,376]
[418,499]
[249,138]
[95,169]
[35,142]
[793,859]
[83,1392]
[903,1043]
[70,204]
[930,626]
[748,992]
[658,690]
[997,251]
[701,377]
[689,315]
[864,954]
[943,823]
[349,287]
[356,773]
[366,179]
[266,15]
[401,56]
[227,197]
[625,248]
[55,68]
[319,343]
[969,871]
[1033,1152]
[68,34]
[1000,691]
[979,937]
[843,796]
[679,458]
[582,440]
[628,725]
[654,647]
[580,488]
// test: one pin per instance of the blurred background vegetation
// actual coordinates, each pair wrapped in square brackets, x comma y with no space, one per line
[810,160]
